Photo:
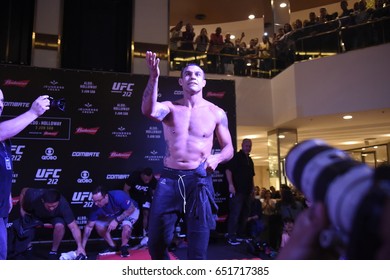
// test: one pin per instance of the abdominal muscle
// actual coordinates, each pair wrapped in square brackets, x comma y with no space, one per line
[187,155]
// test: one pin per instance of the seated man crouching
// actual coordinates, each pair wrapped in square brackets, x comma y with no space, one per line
[111,208]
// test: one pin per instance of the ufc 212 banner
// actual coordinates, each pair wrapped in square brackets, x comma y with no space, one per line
[99,137]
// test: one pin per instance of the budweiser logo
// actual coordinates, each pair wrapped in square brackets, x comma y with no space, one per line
[220,94]
[50,133]
[124,155]
[91,130]
[21,84]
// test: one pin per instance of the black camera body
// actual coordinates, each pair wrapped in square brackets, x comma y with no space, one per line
[58,104]
[348,188]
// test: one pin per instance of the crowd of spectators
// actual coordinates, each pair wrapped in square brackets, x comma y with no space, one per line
[333,32]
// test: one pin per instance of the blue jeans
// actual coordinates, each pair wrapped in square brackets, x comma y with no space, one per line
[182,191]
[3,238]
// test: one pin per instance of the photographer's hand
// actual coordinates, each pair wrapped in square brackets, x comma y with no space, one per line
[40,105]
[304,241]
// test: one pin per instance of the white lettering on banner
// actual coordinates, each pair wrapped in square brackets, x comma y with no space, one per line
[17,104]
[49,175]
[86,154]
[117,176]
[120,87]
[17,152]
[81,197]
[84,178]
[49,154]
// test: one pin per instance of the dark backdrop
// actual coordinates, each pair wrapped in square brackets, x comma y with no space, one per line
[100,138]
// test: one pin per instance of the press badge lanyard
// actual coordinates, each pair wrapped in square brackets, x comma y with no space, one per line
[7,160]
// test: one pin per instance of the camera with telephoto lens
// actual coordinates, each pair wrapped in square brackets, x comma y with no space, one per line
[57,103]
[354,195]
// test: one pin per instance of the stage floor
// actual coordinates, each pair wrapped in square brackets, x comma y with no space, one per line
[218,249]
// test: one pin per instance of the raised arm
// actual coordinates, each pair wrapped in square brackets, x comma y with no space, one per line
[150,107]
[13,126]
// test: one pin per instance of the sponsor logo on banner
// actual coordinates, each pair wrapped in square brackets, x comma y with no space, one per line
[154,156]
[218,176]
[82,198]
[14,83]
[88,87]
[153,132]
[45,128]
[84,178]
[49,154]
[124,155]
[53,86]
[87,130]
[17,104]
[17,152]
[121,132]
[178,92]
[82,220]
[117,176]
[50,133]
[121,109]
[219,198]
[86,154]
[14,177]
[48,175]
[125,89]
[220,94]
[88,109]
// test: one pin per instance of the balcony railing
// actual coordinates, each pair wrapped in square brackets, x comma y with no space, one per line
[325,39]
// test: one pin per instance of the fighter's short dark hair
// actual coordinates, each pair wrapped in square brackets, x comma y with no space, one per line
[51,196]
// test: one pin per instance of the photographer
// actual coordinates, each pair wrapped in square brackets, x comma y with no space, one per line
[351,205]
[9,129]
[304,242]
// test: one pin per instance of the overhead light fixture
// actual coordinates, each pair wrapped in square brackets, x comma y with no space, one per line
[350,143]
[347,117]
[283,5]
[251,16]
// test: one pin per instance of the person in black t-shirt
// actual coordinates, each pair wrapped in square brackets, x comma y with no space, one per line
[140,186]
[49,206]
[239,175]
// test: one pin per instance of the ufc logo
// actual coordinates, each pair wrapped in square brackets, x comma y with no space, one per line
[46,173]
[122,86]
[81,196]
[17,149]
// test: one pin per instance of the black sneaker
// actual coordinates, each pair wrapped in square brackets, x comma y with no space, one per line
[81,257]
[108,251]
[124,251]
[233,241]
[53,255]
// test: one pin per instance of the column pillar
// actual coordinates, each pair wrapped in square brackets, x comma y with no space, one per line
[47,28]
[150,32]
[280,141]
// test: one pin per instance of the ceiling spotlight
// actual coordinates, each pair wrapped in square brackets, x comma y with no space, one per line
[347,117]
[251,16]
[283,5]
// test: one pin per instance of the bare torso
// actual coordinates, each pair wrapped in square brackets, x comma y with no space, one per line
[189,133]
